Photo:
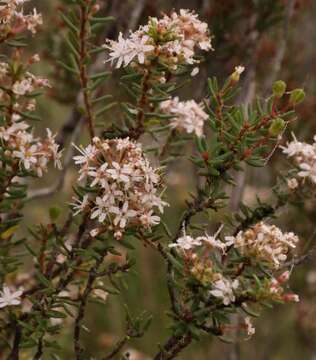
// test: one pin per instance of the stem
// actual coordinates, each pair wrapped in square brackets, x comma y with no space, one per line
[39,351]
[116,349]
[141,104]
[14,354]
[173,347]
[84,20]
[82,308]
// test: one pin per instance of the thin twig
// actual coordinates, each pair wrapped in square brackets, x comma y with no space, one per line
[82,307]
[83,52]
[117,348]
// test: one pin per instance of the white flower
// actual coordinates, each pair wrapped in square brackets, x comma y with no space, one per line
[125,50]
[195,71]
[33,21]
[87,154]
[27,155]
[224,289]
[148,219]
[239,69]
[10,298]
[123,214]
[186,242]
[100,294]
[308,170]
[100,210]
[119,173]
[304,156]
[79,206]
[188,115]
[99,176]
[213,241]
[23,87]
[249,327]
[292,184]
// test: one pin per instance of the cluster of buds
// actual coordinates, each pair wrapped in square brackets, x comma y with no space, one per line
[123,186]
[13,20]
[173,39]
[188,116]
[29,153]
[17,84]
[266,243]
[273,289]
[304,156]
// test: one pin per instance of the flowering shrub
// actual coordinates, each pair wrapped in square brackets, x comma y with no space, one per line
[120,195]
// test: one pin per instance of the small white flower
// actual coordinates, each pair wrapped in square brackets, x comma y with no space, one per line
[239,69]
[100,294]
[224,289]
[308,170]
[186,242]
[10,298]
[79,206]
[124,51]
[188,115]
[195,71]
[100,210]
[292,184]
[249,327]
[123,214]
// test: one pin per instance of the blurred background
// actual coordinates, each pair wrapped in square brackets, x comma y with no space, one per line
[273,39]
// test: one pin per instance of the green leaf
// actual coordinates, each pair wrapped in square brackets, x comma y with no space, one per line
[54,213]
[69,23]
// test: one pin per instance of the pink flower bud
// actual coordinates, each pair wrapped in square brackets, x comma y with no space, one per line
[290,298]
[284,277]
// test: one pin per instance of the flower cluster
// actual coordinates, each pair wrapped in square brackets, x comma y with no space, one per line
[202,267]
[13,20]
[304,156]
[20,87]
[124,186]
[266,243]
[30,153]
[25,84]
[188,116]
[172,38]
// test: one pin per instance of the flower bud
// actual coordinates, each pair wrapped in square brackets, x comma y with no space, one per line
[290,298]
[276,127]
[297,96]
[284,277]
[235,76]
[279,88]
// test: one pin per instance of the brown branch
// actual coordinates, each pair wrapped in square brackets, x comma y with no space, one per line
[14,354]
[83,52]
[117,348]
[82,307]
[173,347]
